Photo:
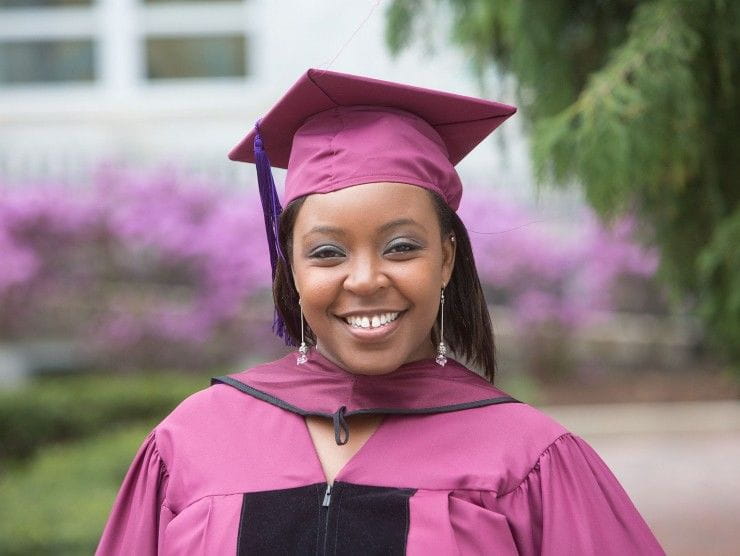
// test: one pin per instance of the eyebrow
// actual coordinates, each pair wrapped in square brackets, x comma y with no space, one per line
[385,227]
[325,230]
[400,222]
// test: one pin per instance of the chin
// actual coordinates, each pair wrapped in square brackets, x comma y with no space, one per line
[371,364]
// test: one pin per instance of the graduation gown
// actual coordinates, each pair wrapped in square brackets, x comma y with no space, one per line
[457,466]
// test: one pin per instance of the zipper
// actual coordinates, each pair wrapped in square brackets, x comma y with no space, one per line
[327,496]
[323,540]
[325,504]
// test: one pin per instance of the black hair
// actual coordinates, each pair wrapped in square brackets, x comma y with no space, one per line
[468,331]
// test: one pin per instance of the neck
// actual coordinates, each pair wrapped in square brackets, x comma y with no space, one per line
[426,350]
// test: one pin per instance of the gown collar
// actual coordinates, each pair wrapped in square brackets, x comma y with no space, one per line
[320,387]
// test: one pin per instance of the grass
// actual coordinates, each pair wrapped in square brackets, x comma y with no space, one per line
[59,502]
[65,446]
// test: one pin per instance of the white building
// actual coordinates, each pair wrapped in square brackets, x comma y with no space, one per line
[151,81]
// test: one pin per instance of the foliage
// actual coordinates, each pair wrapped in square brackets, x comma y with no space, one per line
[152,270]
[59,503]
[719,275]
[69,408]
[547,276]
[636,99]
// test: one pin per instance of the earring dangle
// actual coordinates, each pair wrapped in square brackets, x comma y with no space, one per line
[442,348]
[303,349]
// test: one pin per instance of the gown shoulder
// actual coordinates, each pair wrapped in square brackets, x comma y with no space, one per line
[571,503]
[140,512]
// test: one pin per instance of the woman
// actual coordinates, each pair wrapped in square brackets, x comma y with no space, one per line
[374,278]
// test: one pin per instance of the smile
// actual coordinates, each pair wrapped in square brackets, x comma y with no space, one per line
[371,321]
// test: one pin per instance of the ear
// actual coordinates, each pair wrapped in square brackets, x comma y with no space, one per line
[449,249]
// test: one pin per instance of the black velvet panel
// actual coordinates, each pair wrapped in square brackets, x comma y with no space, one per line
[360,520]
[367,520]
[281,522]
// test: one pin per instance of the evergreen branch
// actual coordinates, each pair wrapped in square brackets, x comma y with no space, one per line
[629,59]
[626,132]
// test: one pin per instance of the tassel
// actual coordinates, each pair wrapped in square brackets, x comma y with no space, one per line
[271,209]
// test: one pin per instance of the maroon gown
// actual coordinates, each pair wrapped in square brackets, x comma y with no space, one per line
[456,467]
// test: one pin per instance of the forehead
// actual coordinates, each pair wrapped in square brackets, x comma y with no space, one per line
[367,207]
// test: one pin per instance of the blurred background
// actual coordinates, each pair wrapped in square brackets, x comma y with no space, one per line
[605,218]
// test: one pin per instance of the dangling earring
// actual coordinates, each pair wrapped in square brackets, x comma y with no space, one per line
[442,348]
[303,349]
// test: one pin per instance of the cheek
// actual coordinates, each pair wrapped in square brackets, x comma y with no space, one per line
[420,282]
[426,271]
[318,288]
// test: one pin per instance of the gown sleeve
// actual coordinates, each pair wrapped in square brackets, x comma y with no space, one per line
[571,503]
[140,512]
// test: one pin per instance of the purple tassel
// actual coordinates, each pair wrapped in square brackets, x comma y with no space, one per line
[271,209]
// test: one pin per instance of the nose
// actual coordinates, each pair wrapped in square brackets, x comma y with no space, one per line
[365,275]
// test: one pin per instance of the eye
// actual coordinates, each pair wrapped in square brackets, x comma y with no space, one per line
[326,252]
[402,246]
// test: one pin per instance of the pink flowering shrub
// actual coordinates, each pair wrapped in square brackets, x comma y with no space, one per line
[555,277]
[150,270]
[546,275]
[143,270]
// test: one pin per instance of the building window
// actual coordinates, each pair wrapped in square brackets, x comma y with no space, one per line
[124,44]
[193,39]
[47,61]
[45,42]
[196,56]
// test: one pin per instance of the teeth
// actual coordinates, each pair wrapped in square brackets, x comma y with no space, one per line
[373,321]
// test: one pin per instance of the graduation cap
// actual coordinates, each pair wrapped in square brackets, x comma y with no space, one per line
[334,130]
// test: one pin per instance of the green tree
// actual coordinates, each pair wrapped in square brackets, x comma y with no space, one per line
[637,101]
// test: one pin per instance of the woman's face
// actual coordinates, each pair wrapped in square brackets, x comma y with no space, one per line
[369,262]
